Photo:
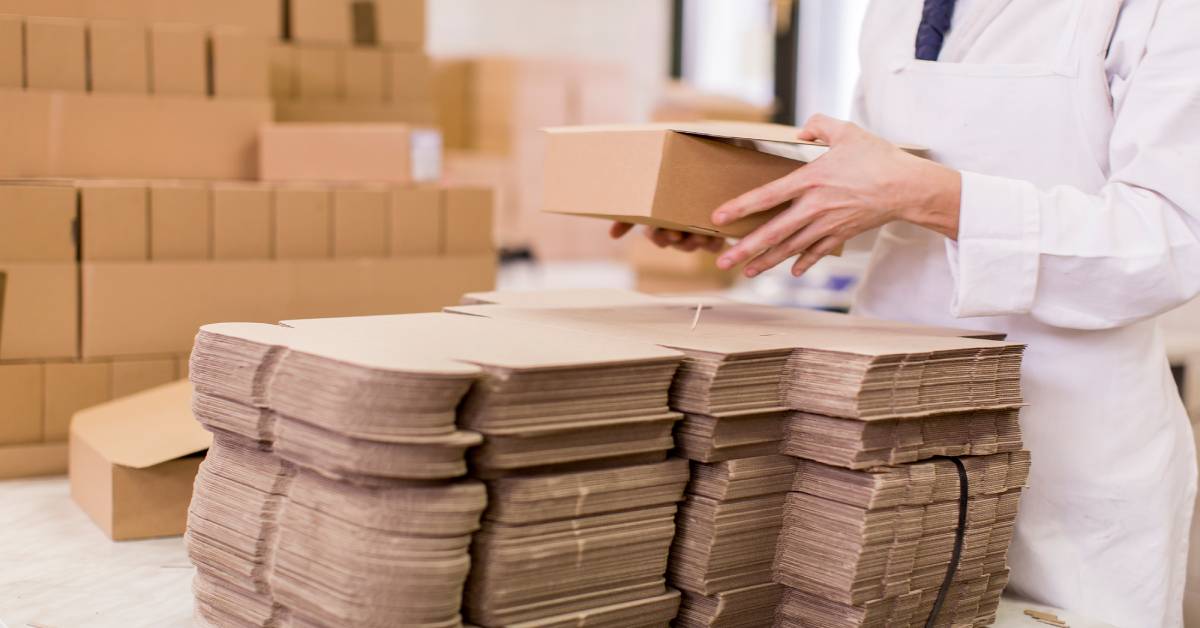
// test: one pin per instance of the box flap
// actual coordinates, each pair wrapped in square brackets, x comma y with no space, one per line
[144,429]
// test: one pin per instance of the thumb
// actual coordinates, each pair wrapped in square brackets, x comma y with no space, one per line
[820,128]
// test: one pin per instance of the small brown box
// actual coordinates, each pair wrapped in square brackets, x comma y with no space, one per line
[179,222]
[411,76]
[240,65]
[114,220]
[241,221]
[71,387]
[12,52]
[302,222]
[400,23]
[179,60]
[318,72]
[416,221]
[37,222]
[55,54]
[39,310]
[281,70]
[119,60]
[134,376]
[21,412]
[364,72]
[467,227]
[360,218]
[321,21]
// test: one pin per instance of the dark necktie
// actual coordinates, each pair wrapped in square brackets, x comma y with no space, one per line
[935,23]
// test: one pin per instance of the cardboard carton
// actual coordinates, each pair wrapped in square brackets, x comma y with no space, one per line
[132,309]
[69,388]
[411,76]
[415,113]
[180,221]
[136,375]
[302,222]
[360,222]
[281,70]
[392,153]
[467,221]
[133,461]
[318,72]
[118,57]
[320,21]
[37,222]
[241,222]
[179,60]
[114,221]
[416,220]
[12,52]
[365,75]
[670,176]
[55,54]
[21,412]
[79,135]
[260,17]
[451,87]
[240,64]
[31,460]
[39,310]
[400,23]
[680,102]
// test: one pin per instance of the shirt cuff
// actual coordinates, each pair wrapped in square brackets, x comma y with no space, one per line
[994,263]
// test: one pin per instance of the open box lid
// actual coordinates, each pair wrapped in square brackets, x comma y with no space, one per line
[144,429]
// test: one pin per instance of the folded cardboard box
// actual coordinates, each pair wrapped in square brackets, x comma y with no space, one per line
[32,460]
[133,461]
[389,153]
[259,17]
[38,310]
[393,23]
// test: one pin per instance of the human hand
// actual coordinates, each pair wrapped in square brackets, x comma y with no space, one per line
[663,238]
[862,182]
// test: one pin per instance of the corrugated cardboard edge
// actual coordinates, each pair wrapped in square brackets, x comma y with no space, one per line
[144,429]
[37,459]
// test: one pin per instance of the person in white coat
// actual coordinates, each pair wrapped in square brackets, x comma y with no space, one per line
[1061,206]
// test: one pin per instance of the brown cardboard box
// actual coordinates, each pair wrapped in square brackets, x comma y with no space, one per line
[302,222]
[12,52]
[178,60]
[416,220]
[257,16]
[136,375]
[680,102]
[318,72]
[239,64]
[360,222]
[39,310]
[414,113]
[37,222]
[467,221]
[70,387]
[411,76]
[21,411]
[281,70]
[366,75]
[55,54]
[241,221]
[451,89]
[183,366]
[400,23]
[134,309]
[133,461]
[119,60]
[66,134]
[392,153]
[320,21]
[22,461]
[114,221]
[180,221]
[671,176]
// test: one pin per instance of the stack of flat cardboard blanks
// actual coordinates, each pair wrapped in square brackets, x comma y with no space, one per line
[746,607]
[855,542]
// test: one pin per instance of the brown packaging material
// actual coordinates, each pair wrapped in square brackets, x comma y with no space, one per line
[318,72]
[400,23]
[120,61]
[185,295]
[680,102]
[70,387]
[281,70]
[257,17]
[37,222]
[451,89]
[239,64]
[12,52]
[417,221]
[133,462]
[21,461]
[21,412]
[38,310]
[114,221]
[66,134]
[320,21]
[467,221]
[411,76]
[131,376]
[360,222]
[416,113]
[302,222]
[241,222]
[179,221]
[178,60]
[365,75]
[392,153]
[55,54]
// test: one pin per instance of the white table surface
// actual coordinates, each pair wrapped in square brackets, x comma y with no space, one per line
[58,570]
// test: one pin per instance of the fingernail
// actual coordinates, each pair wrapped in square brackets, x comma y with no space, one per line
[750,272]
[720,218]
[724,263]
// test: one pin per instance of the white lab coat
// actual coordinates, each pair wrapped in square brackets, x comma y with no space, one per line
[1076,124]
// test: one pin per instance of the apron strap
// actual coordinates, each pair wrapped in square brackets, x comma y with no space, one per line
[959,533]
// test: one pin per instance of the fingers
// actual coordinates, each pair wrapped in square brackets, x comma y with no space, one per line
[618,229]
[663,238]
[770,234]
[799,242]
[762,198]
[823,247]
[822,128]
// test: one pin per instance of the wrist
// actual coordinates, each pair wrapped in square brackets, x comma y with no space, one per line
[936,199]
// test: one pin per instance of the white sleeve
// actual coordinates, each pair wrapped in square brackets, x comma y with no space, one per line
[1094,261]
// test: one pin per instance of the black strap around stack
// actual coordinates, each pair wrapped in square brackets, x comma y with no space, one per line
[958,542]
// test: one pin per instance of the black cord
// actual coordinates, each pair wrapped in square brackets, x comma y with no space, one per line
[958,543]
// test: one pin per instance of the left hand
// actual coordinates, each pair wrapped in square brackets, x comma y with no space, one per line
[862,182]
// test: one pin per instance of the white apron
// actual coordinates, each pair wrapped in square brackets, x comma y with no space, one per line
[1103,527]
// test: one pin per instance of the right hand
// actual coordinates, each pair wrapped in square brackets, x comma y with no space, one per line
[663,238]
